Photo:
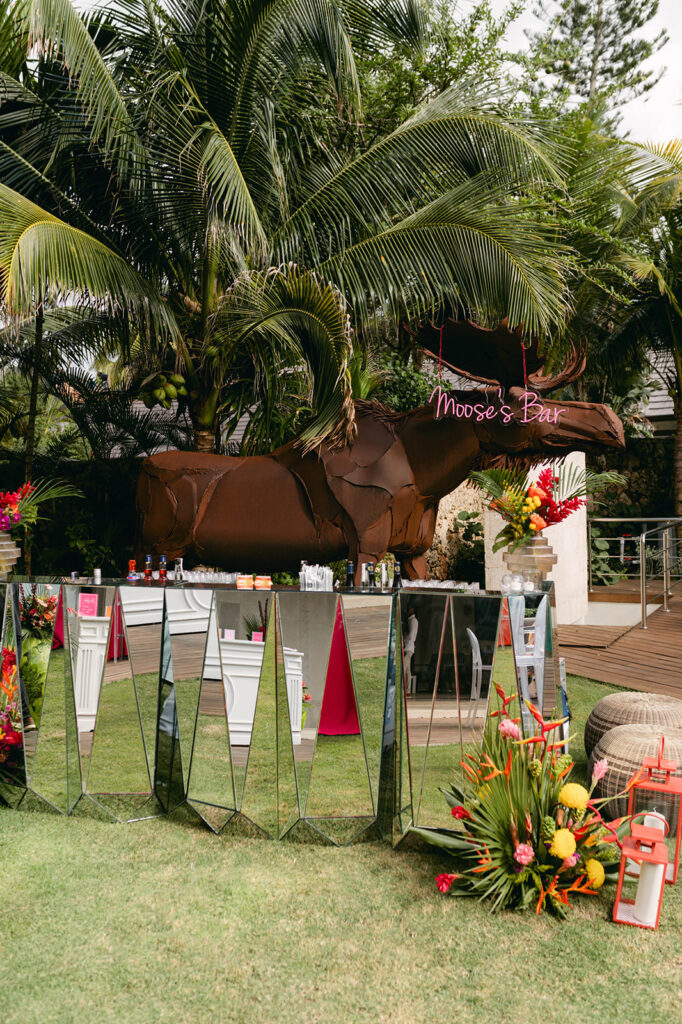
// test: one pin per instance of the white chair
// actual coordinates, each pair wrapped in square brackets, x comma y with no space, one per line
[528,639]
[477,668]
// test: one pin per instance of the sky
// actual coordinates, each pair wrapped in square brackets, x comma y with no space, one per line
[658,116]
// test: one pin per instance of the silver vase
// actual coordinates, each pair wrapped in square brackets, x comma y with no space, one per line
[534,559]
[9,554]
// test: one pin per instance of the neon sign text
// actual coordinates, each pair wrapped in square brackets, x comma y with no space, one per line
[531,408]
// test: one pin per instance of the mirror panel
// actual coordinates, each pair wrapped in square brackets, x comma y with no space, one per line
[139,642]
[14,708]
[259,800]
[117,777]
[210,789]
[340,801]
[290,714]
[55,765]
[307,629]
[169,785]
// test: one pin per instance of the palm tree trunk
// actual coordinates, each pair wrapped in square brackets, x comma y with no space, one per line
[204,441]
[31,426]
[33,399]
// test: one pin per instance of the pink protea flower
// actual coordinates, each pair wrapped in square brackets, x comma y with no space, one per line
[524,854]
[509,729]
[600,769]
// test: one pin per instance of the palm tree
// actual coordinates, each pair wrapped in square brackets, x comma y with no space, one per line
[158,164]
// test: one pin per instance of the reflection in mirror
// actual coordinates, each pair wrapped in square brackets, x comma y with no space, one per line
[532,641]
[210,789]
[431,699]
[307,626]
[14,710]
[259,799]
[368,623]
[55,764]
[169,786]
[117,776]
[476,621]
[241,619]
[340,802]
[189,612]
[394,801]
[290,715]
[137,647]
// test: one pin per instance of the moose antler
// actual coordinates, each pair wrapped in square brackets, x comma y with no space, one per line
[494,356]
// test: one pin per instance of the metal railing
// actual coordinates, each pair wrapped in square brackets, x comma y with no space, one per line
[665,552]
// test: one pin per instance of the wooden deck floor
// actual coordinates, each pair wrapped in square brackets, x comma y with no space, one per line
[641,659]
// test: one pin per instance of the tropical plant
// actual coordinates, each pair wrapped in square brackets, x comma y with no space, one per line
[529,508]
[158,165]
[528,837]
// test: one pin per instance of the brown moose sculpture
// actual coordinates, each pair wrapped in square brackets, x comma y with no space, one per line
[267,512]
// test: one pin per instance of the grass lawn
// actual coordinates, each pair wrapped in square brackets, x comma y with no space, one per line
[161,921]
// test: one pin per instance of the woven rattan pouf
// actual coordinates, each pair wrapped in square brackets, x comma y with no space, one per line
[625,747]
[631,709]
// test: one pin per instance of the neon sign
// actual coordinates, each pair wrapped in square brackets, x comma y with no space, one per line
[532,409]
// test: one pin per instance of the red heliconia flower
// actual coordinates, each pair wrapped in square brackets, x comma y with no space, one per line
[443,882]
[460,813]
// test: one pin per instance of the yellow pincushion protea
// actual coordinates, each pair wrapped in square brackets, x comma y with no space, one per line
[563,844]
[595,873]
[575,796]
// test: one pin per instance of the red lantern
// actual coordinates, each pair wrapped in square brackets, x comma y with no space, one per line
[660,791]
[650,858]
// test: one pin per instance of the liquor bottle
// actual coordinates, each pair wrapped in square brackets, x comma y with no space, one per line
[397,581]
[133,574]
[147,567]
[371,569]
[384,576]
[364,576]
[350,575]
[163,575]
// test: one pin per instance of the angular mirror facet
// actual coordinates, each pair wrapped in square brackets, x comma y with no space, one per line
[307,627]
[118,777]
[531,631]
[259,800]
[367,619]
[290,713]
[241,619]
[138,649]
[210,788]
[169,785]
[430,690]
[340,800]
[189,613]
[14,711]
[476,622]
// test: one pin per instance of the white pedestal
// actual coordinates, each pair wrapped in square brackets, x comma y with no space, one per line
[242,661]
[89,638]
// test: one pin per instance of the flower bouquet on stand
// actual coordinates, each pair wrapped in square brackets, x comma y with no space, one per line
[527,837]
[528,508]
[11,731]
[20,509]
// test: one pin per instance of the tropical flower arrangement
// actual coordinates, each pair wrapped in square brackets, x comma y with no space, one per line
[20,507]
[11,505]
[529,508]
[11,733]
[38,614]
[527,837]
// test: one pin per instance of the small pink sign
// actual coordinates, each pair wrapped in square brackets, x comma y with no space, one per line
[228,634]
[257,635]
[87,604]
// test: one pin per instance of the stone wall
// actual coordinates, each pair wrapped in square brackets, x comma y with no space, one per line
[442,556]
[647,464]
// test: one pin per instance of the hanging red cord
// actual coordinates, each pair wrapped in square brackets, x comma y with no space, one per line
[440,351]
[525,373]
